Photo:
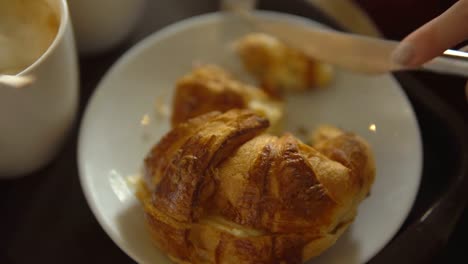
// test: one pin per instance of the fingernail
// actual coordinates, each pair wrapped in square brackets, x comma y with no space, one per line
[403,54]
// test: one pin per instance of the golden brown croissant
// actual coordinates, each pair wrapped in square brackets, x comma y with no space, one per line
[210,88]
[217,189]
[279,67]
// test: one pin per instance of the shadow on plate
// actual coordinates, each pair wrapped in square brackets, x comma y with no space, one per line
[346,250]
[136,239]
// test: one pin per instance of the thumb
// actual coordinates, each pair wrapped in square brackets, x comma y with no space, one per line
[432,39]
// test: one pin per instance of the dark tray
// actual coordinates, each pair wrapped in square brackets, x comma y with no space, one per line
[45,219]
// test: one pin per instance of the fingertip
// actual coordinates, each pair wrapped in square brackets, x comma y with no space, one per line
[434,37]
[404,54]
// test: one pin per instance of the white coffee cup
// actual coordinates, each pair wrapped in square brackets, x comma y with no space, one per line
[35,120]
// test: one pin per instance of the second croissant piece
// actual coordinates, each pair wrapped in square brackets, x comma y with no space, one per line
[217,189]
[279,67]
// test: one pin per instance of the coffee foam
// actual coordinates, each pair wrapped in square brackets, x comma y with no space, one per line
[27,29]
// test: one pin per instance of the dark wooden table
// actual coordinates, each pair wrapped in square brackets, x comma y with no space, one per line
[44,217]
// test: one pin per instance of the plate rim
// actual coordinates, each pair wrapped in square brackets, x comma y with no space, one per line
[155,37]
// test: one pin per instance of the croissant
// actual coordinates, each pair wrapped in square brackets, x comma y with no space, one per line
[218,189]
[279,67]
[210,88]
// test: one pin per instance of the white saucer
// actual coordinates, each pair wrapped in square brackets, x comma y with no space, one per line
[114,138]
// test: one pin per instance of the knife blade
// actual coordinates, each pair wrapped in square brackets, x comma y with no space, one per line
[354,52]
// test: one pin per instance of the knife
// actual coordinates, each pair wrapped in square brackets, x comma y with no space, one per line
[354,52]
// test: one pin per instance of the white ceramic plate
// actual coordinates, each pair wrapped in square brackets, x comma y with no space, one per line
[123,121]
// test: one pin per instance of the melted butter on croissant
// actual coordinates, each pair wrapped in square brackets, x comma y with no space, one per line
[218,189]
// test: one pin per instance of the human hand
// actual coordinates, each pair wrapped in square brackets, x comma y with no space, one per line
[433,38]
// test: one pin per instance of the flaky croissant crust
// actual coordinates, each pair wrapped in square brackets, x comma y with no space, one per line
[218,189]
[210,88]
